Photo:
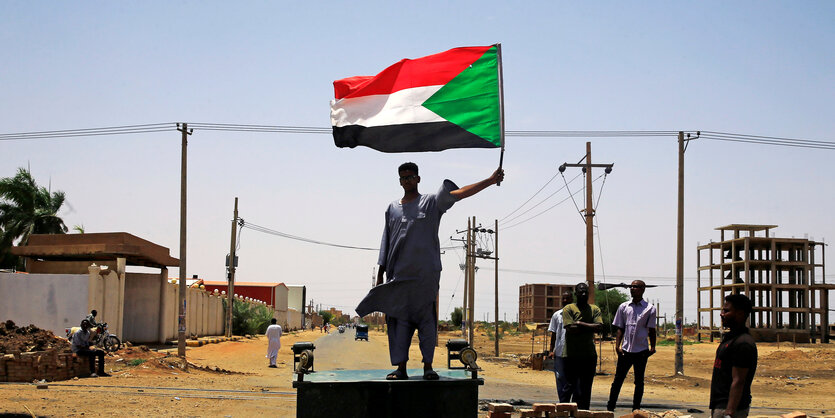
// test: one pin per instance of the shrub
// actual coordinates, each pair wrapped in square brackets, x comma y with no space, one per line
[248,318]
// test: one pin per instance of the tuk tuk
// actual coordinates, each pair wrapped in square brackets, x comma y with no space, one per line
[361,333]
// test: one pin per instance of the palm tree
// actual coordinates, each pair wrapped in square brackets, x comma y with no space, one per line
[26,209]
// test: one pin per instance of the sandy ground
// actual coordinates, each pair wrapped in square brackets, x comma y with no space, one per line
[233,380]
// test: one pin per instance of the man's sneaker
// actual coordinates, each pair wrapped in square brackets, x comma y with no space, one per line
[103,374]
[93,375]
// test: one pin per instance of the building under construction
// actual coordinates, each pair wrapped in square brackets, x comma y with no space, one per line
[538,302]
[783,277]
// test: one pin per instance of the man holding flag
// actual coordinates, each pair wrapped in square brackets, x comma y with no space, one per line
[410,255]
[448,100]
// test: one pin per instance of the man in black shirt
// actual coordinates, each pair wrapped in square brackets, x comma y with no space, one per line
[736,362]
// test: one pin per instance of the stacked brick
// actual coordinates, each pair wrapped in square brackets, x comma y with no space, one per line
[545,410]
[50,365]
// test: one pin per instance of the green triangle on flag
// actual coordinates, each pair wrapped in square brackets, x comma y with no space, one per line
[471,99]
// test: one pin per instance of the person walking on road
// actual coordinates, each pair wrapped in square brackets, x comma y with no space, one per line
[273,341]
[581,321]
[557,351]
[635,321]
[736,362]
[410,257]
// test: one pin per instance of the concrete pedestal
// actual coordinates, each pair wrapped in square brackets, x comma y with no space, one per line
[366,393]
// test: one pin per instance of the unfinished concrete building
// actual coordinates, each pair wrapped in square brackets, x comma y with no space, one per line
[783,277]
[537,302]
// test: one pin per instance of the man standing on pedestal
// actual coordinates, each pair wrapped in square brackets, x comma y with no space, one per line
[410,256]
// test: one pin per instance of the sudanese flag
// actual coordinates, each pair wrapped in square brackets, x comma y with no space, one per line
[442,101]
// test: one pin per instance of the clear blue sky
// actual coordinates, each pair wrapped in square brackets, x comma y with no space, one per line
[747,67]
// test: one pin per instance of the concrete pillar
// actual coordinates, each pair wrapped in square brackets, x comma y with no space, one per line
[93,287]
[163,302]
[121,263]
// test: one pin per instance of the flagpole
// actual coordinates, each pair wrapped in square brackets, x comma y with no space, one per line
[501,104]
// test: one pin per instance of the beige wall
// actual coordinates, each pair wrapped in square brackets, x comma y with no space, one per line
[138,307]
[48,301]
[294,320]
[142,304]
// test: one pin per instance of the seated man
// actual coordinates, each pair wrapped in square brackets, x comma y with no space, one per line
[81,347]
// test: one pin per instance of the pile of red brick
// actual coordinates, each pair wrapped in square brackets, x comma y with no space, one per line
[50,365]
[545,410]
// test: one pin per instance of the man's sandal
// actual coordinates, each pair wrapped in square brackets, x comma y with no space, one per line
[430,375]
[397,375]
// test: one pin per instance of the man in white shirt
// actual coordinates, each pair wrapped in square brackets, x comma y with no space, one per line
[557,351]
[635,321]
[273,341]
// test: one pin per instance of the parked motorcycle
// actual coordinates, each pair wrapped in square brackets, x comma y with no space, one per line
[100,337]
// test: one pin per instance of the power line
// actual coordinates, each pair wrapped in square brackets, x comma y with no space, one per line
[303,239]
[111,130]
[570,196]
[208,126]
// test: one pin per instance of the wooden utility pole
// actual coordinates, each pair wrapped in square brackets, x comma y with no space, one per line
[496,269]
[680,260]
[589,226]
[230,289]
[181,300]
[471,268]
[589,214]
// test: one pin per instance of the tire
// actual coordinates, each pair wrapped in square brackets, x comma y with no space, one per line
[112,343]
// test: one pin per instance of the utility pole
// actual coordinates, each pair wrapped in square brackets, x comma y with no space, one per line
[496,270]
[181,300]
[589,214]
[232,263]
[680,260]
[471,279]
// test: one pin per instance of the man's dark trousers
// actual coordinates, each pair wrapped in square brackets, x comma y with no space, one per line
[92,354]
[580,374]
[626,361]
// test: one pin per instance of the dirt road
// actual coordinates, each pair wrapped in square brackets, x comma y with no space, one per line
[233,380]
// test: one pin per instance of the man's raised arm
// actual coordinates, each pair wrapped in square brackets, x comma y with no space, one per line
[474,188]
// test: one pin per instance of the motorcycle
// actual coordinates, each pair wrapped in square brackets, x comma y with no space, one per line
[99,337]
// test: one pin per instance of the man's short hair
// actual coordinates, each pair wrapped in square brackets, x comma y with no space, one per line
[273,321]
[408,166]
[740,302]
[94,312]
[581,285]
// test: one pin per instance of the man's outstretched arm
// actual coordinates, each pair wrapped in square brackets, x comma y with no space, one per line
[474,188]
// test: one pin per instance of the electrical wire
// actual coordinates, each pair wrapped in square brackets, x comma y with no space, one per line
[530,198]
[168,126]
[572,196]
[504,228]
[540,202]
[266,230]
[111,130]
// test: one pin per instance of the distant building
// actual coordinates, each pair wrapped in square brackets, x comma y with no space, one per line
[273,294]
[538,302]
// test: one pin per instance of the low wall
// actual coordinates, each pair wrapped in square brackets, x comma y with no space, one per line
[42,365]
[49,301]
[294,320]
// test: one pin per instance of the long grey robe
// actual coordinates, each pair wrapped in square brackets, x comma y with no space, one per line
[410,252]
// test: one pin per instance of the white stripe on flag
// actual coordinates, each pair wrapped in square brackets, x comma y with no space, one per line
[398,108]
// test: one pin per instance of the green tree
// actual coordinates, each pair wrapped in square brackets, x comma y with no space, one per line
[249,319]
[326,316]
[457,316]
[26,209]
[608,302]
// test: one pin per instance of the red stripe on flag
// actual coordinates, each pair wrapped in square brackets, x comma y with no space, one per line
[432,70]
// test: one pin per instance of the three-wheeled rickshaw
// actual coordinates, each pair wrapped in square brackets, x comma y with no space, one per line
[361,333]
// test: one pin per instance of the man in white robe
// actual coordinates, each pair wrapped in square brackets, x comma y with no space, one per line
[274,341]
